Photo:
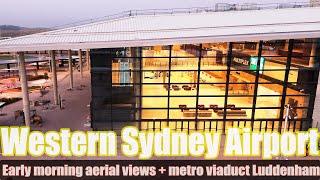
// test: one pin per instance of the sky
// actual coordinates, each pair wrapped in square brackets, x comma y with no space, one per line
[50,13]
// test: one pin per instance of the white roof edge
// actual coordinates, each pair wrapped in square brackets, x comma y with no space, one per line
[140,43]
[299,30]
[130,17]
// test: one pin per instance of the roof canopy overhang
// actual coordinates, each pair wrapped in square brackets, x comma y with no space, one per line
[170,29]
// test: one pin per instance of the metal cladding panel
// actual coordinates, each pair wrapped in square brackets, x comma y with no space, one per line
[176,28]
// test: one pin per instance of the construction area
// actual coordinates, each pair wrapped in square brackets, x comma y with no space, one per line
[48,110]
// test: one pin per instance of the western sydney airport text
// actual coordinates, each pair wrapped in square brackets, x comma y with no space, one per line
[20,141]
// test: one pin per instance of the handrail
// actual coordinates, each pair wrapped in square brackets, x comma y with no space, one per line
[219,7]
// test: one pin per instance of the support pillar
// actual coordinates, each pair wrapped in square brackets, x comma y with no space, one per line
[70,68]
[313,54]
[24,88]
[80,62]
[257,48]
[54,78]
[88,59]
[8,67]
[286,45]
[50,67]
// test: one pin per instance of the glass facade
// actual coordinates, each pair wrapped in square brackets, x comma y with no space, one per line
[209,86]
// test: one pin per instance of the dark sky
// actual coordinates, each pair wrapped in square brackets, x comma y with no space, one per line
[48,13]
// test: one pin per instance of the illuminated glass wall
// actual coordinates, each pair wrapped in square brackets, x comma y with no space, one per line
[209,86]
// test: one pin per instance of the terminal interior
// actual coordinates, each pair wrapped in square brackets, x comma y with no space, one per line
[199,88]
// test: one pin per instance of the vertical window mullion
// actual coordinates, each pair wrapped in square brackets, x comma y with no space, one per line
[256,84]
[169,84]
[141,77]
[198,85]
[229,59]
[285,84]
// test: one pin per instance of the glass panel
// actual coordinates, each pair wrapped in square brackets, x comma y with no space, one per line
[186,119]
[238,46]
[270,89]
[154,90]
[296,113]
[212,49]
[185,50]
[266,88]
[155,51]
[149,102]
[186,109]
[155,63]
[302,49]
[211,107]
[212,102]
[297,101]
[122,74]
[267,113]
[274,70]
[184,63]
[183,90]
[241,83]
[275,48]
[242,76]
[291,91]
[154,114]
[152,76]
[238,107]
[267,101]
[213,63]
[275,63]
[178,102]
[304,79]
[240,89]
[213,76]
[212,90]
[184,76]
[293,76]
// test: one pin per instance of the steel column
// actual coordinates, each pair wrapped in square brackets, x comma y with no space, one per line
[70,68]
[24,88]
[88,58]
[80,62]
[54,78]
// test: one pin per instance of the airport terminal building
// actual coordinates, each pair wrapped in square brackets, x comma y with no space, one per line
[202,69]
[210,86]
